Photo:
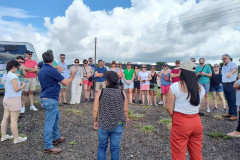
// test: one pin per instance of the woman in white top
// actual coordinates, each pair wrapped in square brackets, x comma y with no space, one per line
[76,90]
[12,102]
[114,68]
[88,79]
[187,130]
[144,77]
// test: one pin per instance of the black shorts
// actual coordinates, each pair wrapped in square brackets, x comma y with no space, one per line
[137,84]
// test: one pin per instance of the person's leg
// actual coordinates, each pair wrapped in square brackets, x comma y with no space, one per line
[155,97]
[55,133]
[227,96]
[130,95]
[214,96]
[4,123]
[207,100]
[139,94]
[150,96]
[115,139]
[88,92]
[133,93]
[73,91]
[220,94]
[164,99]
[143,97]
[24,98]
[79,92]
[50,118]
[85,89]
[232,101]
[103,136]
[147,92]
[14,126]
[64,92]
[60,95]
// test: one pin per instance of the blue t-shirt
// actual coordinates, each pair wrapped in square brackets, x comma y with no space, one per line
[49,78]
[100,70]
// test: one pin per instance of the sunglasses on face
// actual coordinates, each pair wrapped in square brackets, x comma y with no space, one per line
[85,62]
[177,63]
[129,64]
[63,57]
[143,67]
[153,68]
[30,54]
[224,58]
[21,62]
[201,63]
[216,66]
[76,62]
[113,63]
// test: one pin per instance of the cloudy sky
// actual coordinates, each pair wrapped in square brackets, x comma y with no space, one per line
[144,31]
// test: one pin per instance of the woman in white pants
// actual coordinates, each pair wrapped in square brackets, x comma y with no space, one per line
[76,90]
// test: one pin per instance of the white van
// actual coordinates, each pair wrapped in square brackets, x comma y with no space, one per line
[9,51]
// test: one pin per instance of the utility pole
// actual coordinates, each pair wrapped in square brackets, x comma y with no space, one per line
[95,58]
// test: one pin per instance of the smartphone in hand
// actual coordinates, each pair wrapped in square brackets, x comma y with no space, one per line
[26,81]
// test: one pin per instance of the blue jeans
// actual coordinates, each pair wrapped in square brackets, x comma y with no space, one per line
[230,95]
[52,116]
[115,139]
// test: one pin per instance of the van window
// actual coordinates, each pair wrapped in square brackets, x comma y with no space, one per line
[9,52]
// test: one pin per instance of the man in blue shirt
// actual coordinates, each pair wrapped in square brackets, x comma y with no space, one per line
[99,77]
[229,76]
[90,60]
[49,79]
[65,74]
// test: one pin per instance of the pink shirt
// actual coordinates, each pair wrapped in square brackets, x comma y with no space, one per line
[30,64]
[175,71]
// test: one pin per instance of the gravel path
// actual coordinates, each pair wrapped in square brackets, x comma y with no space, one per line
[82,142]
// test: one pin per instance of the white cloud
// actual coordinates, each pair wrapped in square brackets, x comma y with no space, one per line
[149,31]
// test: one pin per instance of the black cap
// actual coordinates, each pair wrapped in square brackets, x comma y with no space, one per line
[27,51]
[111,77]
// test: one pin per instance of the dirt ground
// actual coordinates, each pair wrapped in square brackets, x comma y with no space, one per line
[76,124]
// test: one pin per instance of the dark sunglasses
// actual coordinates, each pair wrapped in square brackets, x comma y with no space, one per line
[30,54]
[201,63]
[153,68]
[143,67]
[177,62]
[129,64]
[216,66]
[224,58]
[76,62]
[85,62]
[63,57]
[21,62]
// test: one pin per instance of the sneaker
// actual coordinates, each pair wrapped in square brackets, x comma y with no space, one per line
[72,103]
[19,140]
[33,108]
[6,138]
[215,109]
[150,104]
[234,134]
[143,104]
[161,102]
[91,100]
[225,110]
[140,101]
[86,100]
[23,110]
[208,110]
[155,105]
[59,103]
[133,101]
[201,114]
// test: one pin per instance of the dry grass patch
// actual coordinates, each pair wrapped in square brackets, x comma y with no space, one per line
[75,111]
[135,116]
[147,128]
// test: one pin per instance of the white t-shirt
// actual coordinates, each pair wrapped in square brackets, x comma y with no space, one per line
[182,104]
[9,91]
[144,76]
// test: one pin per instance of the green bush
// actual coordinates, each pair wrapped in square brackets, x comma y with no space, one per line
[148,128]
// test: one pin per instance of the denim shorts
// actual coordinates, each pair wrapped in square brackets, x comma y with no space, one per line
[216,88]
[128,86]
[206,86]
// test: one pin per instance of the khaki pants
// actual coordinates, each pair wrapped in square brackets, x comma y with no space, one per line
[31,85]
[100,85]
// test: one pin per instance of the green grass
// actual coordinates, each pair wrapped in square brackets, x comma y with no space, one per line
[0,134]
[19,126]
[135,116]
[219,135]
[165,121]
[137,126]
[147,106]
[169,126]
[75,111]
[72,143]
[217,116]
[22,135]
[37,102]
[147,128]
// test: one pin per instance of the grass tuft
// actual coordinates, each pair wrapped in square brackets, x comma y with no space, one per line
[75,111]
[148,128]
[165,121]
[22,135]
[134,116]
[219,135]
[217,116]
[72,143]
[37,102]
[147,106]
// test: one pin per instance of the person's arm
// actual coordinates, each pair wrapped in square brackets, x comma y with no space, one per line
[67,82]
[149,77]
[96,109]
[170,102]
[91,71]
[132,78]
[173,75]
[15,85]
[236,84]
[160,77]
[125,106]
[124,78]
[230,73]
[98,74]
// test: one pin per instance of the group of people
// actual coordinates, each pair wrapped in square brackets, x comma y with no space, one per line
[183,90]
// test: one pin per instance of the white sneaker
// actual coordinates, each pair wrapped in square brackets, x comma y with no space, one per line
[19,140]
[150,104]
[23,110]
[208,110]
[6,138]
[161,102]
[33,108]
